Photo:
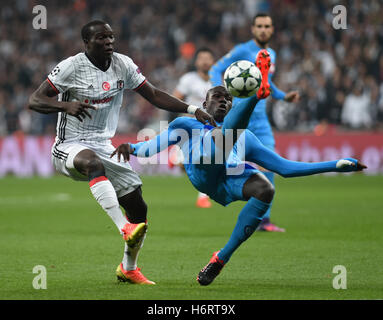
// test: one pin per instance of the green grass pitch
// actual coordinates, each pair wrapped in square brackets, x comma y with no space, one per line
[330,220]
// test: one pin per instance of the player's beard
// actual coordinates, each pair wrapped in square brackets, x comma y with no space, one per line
[263,43]
[204,70]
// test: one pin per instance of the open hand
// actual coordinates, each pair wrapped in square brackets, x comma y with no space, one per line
[292,96]
[125,150]
[204,117]
[360,166]
[349,164]
[78,109]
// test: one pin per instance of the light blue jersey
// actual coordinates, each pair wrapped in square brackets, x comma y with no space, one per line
[259,123]
[216,178]
[205,172]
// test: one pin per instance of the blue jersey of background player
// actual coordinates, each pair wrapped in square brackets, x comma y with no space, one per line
[262,30]
[214,178]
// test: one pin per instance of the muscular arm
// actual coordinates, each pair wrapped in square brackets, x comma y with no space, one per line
[178,94]
[168,102]
[162,99]
[42,101]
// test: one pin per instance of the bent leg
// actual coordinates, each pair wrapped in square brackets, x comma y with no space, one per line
[260,193]
[135,210]
[270,176]
[89,164]
[135,206]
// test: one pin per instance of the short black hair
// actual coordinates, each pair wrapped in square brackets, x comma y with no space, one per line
[203,49]
[261,14]
[85,30]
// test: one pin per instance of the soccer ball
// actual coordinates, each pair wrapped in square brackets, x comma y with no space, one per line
[242,79]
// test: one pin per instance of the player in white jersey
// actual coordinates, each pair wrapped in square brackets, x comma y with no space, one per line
[193,87]
[90,87]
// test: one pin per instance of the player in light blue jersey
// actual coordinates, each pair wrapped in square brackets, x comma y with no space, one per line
[262,30]
[231,179]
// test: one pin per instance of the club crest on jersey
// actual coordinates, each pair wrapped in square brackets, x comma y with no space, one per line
[120,84]
[106,86]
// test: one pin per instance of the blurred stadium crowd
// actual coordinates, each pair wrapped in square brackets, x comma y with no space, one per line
[339,73]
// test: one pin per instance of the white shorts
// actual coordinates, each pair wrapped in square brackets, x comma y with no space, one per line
[123,178]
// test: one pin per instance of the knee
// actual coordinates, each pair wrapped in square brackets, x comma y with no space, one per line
[267,193]
[259,187]
[94,167]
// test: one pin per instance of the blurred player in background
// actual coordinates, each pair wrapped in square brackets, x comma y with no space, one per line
[214,178]
[90,86]
[192,87]
[262,30]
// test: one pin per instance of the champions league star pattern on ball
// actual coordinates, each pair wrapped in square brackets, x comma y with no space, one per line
[242,79]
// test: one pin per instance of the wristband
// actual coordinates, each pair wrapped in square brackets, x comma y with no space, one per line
[192,109]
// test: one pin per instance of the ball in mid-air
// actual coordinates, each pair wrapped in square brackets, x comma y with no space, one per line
[242,79]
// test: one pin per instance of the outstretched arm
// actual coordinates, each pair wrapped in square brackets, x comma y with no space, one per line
[276,93]
[145,149]
[168,102]
[256,152]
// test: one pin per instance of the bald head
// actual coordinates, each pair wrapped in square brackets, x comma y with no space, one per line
[216,89]
[218,102]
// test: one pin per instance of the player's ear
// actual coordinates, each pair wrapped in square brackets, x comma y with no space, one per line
[204,104]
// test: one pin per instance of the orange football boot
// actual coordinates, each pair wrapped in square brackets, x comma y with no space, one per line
[203,202]
[133,232]
[263,62]
[132,276]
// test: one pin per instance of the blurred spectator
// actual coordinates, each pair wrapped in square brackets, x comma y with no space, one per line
[11,117]
[319,61]
[356,109]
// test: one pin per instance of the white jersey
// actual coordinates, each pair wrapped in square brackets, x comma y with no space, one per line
[194,88]
[78,79]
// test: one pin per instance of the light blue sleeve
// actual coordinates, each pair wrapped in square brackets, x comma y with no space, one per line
[217,70]
[276,93]
[256,152]
[174,134]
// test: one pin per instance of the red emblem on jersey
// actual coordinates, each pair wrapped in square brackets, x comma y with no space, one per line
[106,86]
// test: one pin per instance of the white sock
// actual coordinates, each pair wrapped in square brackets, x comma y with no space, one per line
[129,261]
[200,195]
[104,193]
